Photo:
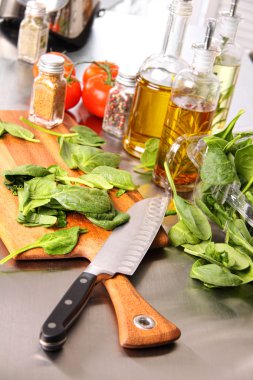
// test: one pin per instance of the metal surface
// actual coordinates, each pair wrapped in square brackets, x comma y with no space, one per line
[127,245]
[216,325]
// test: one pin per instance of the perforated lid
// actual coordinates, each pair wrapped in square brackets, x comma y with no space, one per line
[51,63]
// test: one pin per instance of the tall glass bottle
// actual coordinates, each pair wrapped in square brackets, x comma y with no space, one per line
[191,109]
[227,64]
[154,81]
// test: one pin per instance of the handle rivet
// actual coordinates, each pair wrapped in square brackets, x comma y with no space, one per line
[68,302]
[83,280]
[51,325]
[144,322]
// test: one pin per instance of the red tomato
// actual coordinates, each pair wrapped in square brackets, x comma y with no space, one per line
[69,68]
[94,70]
[95,93]
[73,92]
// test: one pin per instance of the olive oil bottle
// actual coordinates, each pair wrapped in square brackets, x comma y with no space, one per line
[192,105]
[154,81]
[227,64]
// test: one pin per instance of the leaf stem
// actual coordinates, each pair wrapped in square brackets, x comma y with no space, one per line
[42,129]
[17,252]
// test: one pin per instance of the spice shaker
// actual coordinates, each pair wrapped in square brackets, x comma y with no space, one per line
[49,91]
[118,105]
[33,33]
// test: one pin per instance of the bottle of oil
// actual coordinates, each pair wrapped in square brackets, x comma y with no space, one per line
[154,81]
[227,64]
[193,101]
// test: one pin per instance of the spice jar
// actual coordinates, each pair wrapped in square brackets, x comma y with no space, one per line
[118,105]
[33,33]
[49,91]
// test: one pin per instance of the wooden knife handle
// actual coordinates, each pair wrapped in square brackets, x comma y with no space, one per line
[136,317]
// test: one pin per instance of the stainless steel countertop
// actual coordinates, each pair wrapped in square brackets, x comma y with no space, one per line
[216,325]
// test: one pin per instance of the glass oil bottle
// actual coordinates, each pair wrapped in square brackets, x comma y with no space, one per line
[191,109]
[154,81]
[227,64]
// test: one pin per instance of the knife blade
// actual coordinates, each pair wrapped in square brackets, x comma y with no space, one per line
[121,253]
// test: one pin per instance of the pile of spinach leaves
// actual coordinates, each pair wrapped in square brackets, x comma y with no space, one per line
[46,194]
[227,165]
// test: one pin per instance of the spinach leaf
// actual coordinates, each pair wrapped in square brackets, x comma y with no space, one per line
[190,214]
[213,274]
[180,234]
[17,131]
[116,177]
[227,133]
[82,199]
[215,142]
[37,192]
[43,217]
[54,243]
[2,130]
[86,136]
[86,158]
[217,169]
[120,192]
[20,174]
[96,180]
[148,157]
[118,219]
[239,235]
[244,162]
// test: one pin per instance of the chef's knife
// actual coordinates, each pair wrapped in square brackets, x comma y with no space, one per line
[122,252]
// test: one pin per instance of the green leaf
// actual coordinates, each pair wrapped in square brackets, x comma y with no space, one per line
[180,234]
[96,180]
[86,158]
[37,192]
[120,192]
[18,131]
[244,162]
[213,274]
[148,157]
[86,136]
[55,243]
[217,169]
[118,219]
[82,199]
[2,130]
[227,133]
[20,174]
[116,177]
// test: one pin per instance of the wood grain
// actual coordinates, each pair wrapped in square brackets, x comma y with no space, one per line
[14,152]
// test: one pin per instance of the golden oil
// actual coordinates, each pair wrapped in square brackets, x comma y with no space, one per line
[148,110]
[193,119]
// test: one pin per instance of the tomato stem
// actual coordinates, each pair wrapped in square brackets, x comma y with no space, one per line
[104,66]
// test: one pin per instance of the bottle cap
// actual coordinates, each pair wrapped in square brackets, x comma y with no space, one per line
[35,9]
[205,53]
[181,7]
[228,24]
[126,79]
[51,63]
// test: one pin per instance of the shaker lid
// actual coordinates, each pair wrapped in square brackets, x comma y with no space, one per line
[51,63]
[126,79]
[36,9]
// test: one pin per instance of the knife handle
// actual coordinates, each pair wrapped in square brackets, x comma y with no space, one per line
[54,331]
[140,325]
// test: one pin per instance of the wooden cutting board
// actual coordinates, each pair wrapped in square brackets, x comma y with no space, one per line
[14,152]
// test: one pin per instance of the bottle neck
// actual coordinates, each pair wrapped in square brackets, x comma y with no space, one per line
[203,60]
[174,35]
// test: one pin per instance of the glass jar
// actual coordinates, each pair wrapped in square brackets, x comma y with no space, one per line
[33,33]
[118,105]
[49,91]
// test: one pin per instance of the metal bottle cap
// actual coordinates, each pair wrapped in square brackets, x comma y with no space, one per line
[126,79]
[36,9]
[51,63]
